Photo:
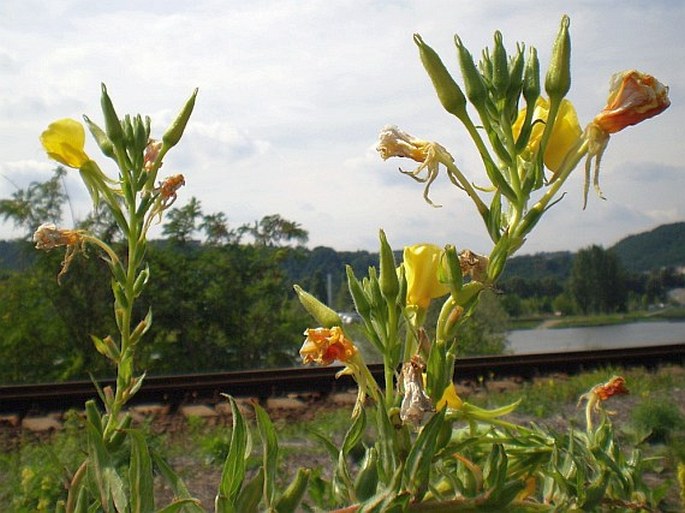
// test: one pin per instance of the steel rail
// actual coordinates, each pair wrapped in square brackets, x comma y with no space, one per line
[178,389]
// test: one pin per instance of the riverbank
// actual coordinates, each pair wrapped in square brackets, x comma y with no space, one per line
[669,313]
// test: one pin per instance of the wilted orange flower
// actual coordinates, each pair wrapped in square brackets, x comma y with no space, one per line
[48,236]
[326,345]
[615,386]
[393,142]
[151,153]
[633,97]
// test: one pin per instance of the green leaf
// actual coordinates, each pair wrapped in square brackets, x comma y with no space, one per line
[293,494]
[101,466]
[420,459]
[180,505]
[270,454]
[251,494]
[177,485]
[140,474]
[233,471]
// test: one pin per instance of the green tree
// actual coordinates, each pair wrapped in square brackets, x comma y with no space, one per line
[272,230]
[598,281]
[39,203]
[182,223]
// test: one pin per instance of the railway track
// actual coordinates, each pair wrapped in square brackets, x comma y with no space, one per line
[178,389]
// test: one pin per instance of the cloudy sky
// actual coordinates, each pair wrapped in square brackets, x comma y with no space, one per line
[294,93]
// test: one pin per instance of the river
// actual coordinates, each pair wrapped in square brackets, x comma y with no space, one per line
[598,337]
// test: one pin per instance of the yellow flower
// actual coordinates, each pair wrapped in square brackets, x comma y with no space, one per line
[565,134]
[64,141]
[633,97]
[326,345]
[421,265]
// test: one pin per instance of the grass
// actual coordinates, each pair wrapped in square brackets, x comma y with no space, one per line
[33,470]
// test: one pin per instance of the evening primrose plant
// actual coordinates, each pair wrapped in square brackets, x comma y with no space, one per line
[433,451]
[422,447]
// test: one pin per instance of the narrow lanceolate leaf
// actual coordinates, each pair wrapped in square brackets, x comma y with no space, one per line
[233,471]
[419,461]
[101,465]
[270,454]
[140,474]
[177,486]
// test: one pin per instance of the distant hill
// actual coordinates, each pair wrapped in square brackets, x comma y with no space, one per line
[664,246]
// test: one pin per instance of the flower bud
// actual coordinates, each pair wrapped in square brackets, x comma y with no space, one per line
[389,283]
[475,88]
[500,67]
[324,315]
[450,94]
[112,122]
[558,79]
[361,303]
[175,131]
[100,137]
[453,278]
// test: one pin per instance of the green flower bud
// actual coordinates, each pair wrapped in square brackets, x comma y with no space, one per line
[324,315]
[531,78]
[361,303]
[390,285]
[112,122]
[476,91]
[558,79]
[103,142]
[175,131]
[500,67]
[450,94]
[515,81]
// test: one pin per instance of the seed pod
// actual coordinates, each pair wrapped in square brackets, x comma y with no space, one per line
[454,278]
[450,94]
[558,79]
[175,131]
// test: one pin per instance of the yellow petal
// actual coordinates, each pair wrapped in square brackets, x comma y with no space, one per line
[449,398]
[422,264]
[565,133]
[64,141]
